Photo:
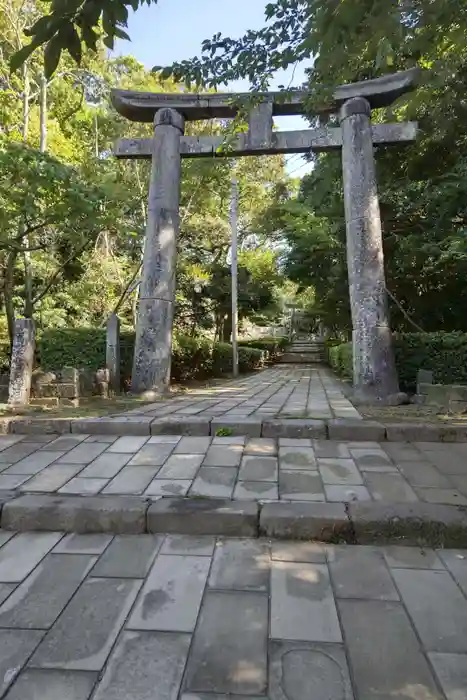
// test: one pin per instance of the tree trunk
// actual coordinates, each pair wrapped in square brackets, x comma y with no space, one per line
[43,114]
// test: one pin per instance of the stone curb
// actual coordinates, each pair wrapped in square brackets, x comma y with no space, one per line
[421,524]
[334,429]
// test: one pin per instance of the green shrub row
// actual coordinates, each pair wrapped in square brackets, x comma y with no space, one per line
[271,347]
[445,354]
[192,358]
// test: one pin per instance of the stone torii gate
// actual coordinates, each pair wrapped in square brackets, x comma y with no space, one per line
[374,368]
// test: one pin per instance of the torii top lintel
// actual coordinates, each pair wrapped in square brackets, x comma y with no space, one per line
[142,106]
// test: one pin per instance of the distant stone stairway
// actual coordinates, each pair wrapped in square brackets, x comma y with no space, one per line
[304,351]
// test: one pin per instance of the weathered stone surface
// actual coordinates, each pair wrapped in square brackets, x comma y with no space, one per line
[111,426]
[448,496]
[20,555]
[294,428]
[255,491]
[321,521]
[15,648]
[112,354]
[251,427]
[73,514]
[152,455]
[64,442]
[223,456]
[308,670]
[455,561]
[128,556]
[229,650]
[300,486]
[302,603]
[413,432]
[41,426]
[261,446]
[51,478]
[168,487]
[385,656]
[310,552]
[106,466]
[31,606]
[83,487]
[415,523]
[241,565]
[36,684]
[188,545]
[83,636]
[189,425]
[437,607]
[207,516]
[21,362]
[398,557]
[339,471]
[297,458]
[127,444]
[16,453]
[423,474]
[180,466]
[347,429]
[131,480]
[451,670]
[192,445]
[84,453]
[392,488]
[330,448]
[254,468]
[345,494]
[82,544]
[34,463]
[361,572]
[216,482]
[171,596]
[144,664]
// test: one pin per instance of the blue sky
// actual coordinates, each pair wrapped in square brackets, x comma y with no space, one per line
[173,30]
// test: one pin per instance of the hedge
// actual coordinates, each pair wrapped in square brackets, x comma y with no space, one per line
[272,347]
[445,354]
[192,358]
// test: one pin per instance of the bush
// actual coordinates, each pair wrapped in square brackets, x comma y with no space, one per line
[272,347]
[250,359]
[191,358]
[445,354]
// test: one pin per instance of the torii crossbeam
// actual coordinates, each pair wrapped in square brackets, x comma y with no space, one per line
[374,368]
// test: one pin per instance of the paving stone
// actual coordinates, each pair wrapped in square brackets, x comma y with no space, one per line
[65,442]
[351,429]
[22,554]
[451,670]
[448,462]
[161,439]
[19,452]
[128,444]
[171,596]
[320,521]
[308,552]
[256,491]
[255,468]
[33,463]
[261,446]
[339,493]
[423,474]
[241,565]
[223,456]
[217,482]
[31,606]
[51,478]
[459,481]
[297,458]
[437,607]
[5,537]
[229,440]
[193,445]
[455,561]
[145,665]
[84,453]
[128,556]
[300,486]
[188,545]
[83,636]
[12,481]
[152,455]
[389,487]
[339,471]
[229,649]
[328,448]
[15,648]
[131,480]
[237,425]
[180,466]
[302,603]
[5,590]
[9,440]
[106,466]
[447,496]
[372,459]
[168,487]
[36,684]
[125,514]
[308,670]
[82,544]
[399,557]
[413,432]
[84,487]
[294,428]
[385,655]
[204,516]
[403,452]
[361,572]
[34,437]
[295,442]
[109,439]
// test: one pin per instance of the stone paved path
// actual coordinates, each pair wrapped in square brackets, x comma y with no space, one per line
[281,391]
[164,617]
[241,468]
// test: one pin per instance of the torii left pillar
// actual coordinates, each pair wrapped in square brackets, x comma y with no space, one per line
[151,365]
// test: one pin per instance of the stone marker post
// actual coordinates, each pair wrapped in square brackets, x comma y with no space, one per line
[112,351]
[22,359]
[373,357]
[151,367]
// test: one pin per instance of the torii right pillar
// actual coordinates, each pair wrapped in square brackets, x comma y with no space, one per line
[374,371]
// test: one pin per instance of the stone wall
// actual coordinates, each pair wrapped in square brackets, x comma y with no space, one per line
[449,396]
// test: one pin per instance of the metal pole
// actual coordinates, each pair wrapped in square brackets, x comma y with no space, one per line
[234,268]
